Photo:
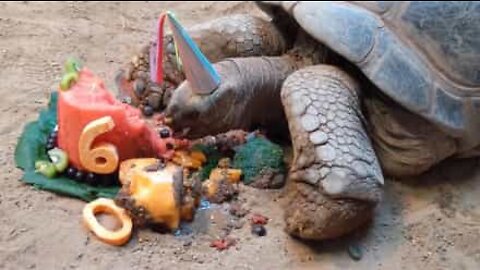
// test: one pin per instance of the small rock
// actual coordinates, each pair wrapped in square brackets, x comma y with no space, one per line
[259,230]
[355,252]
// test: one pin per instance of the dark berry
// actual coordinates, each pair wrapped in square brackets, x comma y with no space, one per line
[53,135]
[164,133]
[259,230]
[147,110]
[91,179]
[113,179]
[51,140]
[79,176]
[71,172]
[104,180]
[50,146]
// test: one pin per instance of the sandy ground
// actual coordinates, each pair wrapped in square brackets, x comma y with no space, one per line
[432,223]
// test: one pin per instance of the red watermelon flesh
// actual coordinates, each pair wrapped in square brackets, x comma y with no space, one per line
[88,100]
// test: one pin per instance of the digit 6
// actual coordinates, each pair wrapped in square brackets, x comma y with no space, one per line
[103,158]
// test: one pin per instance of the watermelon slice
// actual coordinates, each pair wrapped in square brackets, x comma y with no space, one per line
[88,100]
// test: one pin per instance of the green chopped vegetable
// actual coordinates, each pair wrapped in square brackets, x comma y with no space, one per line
[256,155]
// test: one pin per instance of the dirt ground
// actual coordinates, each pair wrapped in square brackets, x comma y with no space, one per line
[431,223]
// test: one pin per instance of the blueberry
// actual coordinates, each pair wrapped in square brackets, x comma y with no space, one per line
[91,179]
[71,172]
[259,230]
[51,141]
[79,176]
[50,146]
[108,180]
[164,133]
[53,135]
[147,110]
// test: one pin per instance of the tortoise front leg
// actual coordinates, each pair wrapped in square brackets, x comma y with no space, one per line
[335,178]
[225,37]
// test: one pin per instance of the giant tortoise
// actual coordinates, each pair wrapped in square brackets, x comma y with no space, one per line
[365,89]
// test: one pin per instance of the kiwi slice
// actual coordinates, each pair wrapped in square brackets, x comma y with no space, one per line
[68,80]
[59,159]
[46,168]
[72,65]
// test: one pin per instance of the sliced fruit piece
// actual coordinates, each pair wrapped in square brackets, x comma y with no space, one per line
[156,187]
[220,185]
[192,160]
[46,168]
[68,80]
[72,65]
[108,206]
[232,175]
[59,159]
[103,158]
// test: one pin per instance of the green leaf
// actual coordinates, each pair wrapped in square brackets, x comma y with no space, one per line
[65,186]
[31,147]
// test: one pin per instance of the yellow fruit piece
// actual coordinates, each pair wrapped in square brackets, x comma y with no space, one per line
[108,206]
[129,166]
[156,187]
[192,160]
[197,155]
[232,175]
[103,158]
[212,184]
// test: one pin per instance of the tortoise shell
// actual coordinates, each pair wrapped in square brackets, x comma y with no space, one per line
[424,55]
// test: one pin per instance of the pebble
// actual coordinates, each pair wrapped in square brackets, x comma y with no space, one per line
[259,230]
[355,252]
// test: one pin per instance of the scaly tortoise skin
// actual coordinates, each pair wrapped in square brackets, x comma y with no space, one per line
[366,89]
